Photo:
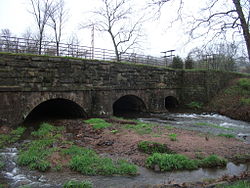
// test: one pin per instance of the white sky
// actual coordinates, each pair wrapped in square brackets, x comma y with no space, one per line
[160,36]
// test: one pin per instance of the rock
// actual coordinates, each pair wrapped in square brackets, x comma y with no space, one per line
[157,168]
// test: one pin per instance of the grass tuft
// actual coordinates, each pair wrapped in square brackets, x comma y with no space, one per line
[13,137]
[153,147]
[169,162]
[227,135]
[77,184]
[213,125]
[173,137]
[98,123]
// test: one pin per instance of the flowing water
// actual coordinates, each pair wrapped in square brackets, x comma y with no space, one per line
[16,176]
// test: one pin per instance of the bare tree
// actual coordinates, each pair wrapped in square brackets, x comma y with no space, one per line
[41,12]
[116,18]
[219,17]
[58,16]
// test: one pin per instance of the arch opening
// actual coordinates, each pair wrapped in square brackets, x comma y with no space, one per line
[129,106]
[171,103]
[56,109]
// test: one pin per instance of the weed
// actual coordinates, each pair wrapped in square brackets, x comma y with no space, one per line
[57,168]
[168,127]
[173,137]
[168,162]
[199,155]
[35,154]
[195,105]
[1,163]
[87,162]
[141,128]
[13,137]
[114,131]
[244,83]
[213,125]
[77,184]
[212,161]
[76,150]
[98,123]
[47,130]
[239,184]
[153,147]
[245,101]
[227,135]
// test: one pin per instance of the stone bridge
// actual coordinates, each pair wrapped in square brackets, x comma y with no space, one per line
[33,86]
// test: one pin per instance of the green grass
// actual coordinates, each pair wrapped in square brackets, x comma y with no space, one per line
[153,147]
[238,184]
[77,184]
[98,123]
[213,125]
[212,161]
[141,128]
[244,83]
[245,101]
[242,88]
[1,163]
[35,154]
[13,137]
[173,137]
[89,163]
[195,105]
[170,162]
[227,135]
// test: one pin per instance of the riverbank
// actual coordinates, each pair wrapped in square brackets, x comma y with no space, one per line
[233,101]
[117,138]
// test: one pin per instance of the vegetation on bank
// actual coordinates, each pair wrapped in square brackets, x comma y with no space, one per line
[170,162]
[12,137]
[238,184]
[77,184]
[153,147]
[234,101]
[49,141]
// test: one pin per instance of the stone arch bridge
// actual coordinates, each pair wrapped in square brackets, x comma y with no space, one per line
[34,85]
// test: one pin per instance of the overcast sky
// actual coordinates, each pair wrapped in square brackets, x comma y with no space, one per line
[160,36]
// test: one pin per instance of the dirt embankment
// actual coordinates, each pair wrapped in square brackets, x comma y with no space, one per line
[234,101]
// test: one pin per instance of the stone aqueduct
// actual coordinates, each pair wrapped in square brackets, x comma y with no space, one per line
[34,85]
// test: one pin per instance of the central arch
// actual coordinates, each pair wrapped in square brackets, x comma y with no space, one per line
[129,105]
[58,108]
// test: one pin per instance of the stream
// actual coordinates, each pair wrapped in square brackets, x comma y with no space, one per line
[15,176]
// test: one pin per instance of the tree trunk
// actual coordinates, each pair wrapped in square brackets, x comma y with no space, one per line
[115,46]
[244,25]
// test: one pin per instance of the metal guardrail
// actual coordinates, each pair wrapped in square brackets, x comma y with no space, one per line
[31,46]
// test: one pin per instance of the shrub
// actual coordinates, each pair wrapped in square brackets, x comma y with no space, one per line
[153,147]
[98,123]
[168,162]
[78,184]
